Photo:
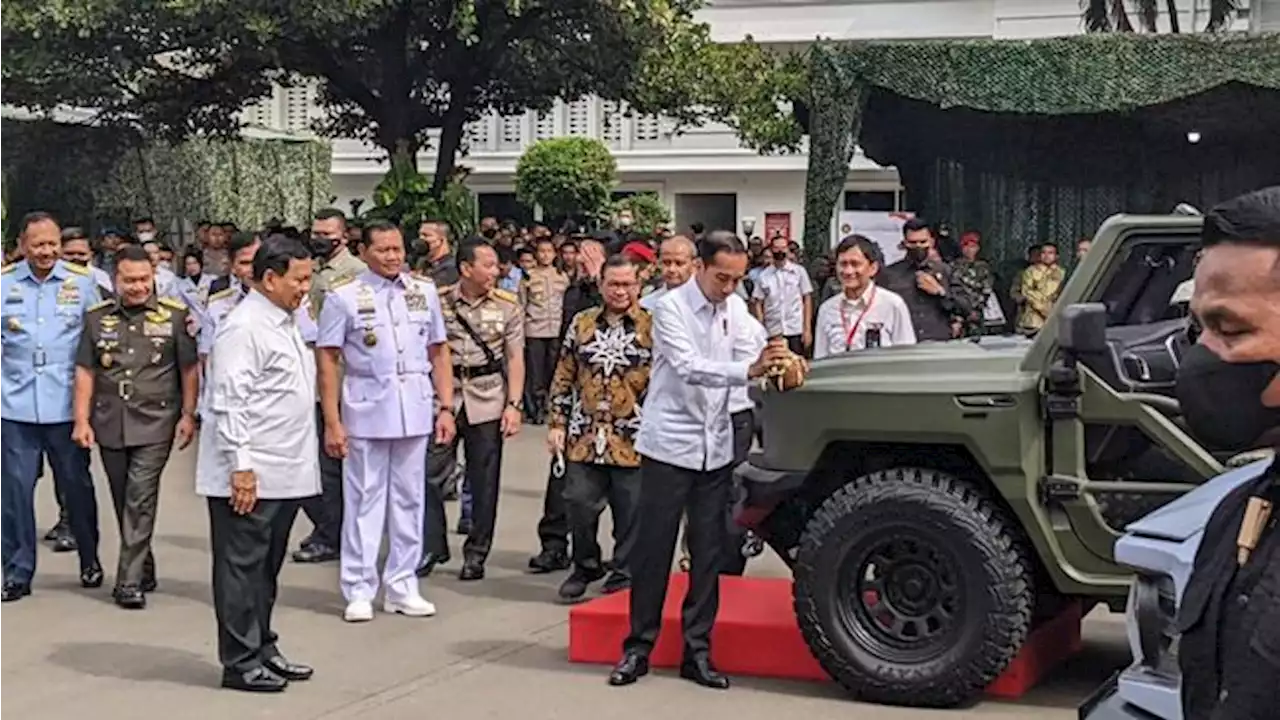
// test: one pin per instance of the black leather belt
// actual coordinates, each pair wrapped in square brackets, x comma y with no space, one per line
[463,372]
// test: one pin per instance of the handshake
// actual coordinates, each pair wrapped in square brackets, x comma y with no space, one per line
[779,368]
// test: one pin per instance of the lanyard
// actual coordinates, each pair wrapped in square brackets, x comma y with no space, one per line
[851,332]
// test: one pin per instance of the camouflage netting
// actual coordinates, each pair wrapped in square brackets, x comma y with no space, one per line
[1042,139]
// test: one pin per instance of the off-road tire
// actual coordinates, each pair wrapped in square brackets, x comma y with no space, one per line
[994,579]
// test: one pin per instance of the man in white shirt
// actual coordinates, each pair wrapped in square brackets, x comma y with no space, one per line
[701,337]
[783,299]
[864,314]
[258,459]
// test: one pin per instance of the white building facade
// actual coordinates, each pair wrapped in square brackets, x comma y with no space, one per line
[705,174]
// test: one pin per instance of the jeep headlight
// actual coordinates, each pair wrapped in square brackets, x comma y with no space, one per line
[1150,622]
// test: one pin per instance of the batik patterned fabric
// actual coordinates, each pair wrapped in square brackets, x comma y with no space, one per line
[600,383]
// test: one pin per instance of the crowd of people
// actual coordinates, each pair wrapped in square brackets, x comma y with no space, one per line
[342,371]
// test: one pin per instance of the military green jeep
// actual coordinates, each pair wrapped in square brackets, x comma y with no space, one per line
[936,501]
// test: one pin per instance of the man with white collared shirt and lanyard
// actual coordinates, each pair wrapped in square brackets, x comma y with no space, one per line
[864,314]
[701,336]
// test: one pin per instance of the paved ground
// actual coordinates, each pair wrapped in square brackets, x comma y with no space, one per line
[496,650]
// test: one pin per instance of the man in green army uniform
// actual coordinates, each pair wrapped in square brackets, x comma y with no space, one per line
[1039,287]
[336,265]
[975,275]
[137,380]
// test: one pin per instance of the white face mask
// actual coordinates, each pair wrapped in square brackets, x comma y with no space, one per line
[146,236]
[166,265]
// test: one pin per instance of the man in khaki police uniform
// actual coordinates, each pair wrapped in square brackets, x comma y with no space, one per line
[542,296]
[137,379]
[329,241]
[485,329]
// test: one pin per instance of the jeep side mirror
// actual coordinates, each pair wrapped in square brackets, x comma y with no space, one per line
[1082,328]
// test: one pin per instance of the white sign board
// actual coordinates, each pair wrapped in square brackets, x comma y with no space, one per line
[882,228]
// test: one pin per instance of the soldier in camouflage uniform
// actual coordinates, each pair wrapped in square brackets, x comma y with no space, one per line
[1039,287]
[975,275]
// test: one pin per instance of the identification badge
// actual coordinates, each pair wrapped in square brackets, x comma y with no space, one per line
[370,338]
[491,316]
[106,360]
[13,324]
[155,329]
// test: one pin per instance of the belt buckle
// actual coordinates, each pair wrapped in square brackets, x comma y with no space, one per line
[124,388]
[39,358]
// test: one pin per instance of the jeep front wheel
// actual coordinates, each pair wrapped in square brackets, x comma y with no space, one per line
[911,589]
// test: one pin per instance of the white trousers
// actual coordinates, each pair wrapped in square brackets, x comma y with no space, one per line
[384,488]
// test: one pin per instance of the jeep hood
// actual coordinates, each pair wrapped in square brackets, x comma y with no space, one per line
[954,366]
[1188,515]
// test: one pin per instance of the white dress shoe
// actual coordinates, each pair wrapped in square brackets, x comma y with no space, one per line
[413,606]
[358,611]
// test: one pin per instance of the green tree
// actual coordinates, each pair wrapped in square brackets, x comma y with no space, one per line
[388,73]
[648,212]
[569,176]
[1114,15]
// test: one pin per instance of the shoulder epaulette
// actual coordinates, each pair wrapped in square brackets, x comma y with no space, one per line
[223,293]
[8,268]
[77,269]
[340,281]
[100,305]
[419,275]
[445,289]
[173,304]
[504,295]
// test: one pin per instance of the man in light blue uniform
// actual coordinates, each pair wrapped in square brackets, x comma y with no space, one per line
[388,329]
[44,300]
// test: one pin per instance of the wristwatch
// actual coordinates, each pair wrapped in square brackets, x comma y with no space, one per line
[517,405]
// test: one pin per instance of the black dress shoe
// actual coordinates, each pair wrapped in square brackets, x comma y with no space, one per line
[549,561]
[316,553]
[429,563]
[64,542]
[149,584]
[53,533]
[471,571]
[259,679]
[616,582]
[15,591]
[631,667]
[130,597]
[699,670]
[464,526]
[91,577]
[575,586]
[281,666]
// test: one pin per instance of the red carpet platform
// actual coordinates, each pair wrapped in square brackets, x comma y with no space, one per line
[756,635]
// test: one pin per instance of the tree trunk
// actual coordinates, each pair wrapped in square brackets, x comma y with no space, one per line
[451,130]
[402,152]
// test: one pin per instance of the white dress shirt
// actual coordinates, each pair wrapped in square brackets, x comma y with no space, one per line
[260,413]
[842,323]
[700,353]
[781,291]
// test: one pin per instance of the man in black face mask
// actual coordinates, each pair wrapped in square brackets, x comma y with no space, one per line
[933,294]
[1229,390]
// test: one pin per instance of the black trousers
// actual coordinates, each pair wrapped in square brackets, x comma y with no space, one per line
[666,493]
[325,510]
[482,449]
[553,528]
[735,563]
[248,551]
[541,355]
[133,474]
[588,488]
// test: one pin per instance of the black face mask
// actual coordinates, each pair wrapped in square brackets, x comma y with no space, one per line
[779,254]
[1222,401]
[489,233]
[322,247]
[917,255]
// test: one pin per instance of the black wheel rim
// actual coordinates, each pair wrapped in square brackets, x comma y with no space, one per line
[901,596]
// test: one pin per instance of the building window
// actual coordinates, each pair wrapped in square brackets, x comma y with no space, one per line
[611,122]
[545,127]
[478,134]
[647,128]
[510,134]
[879,201]
[579,117]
